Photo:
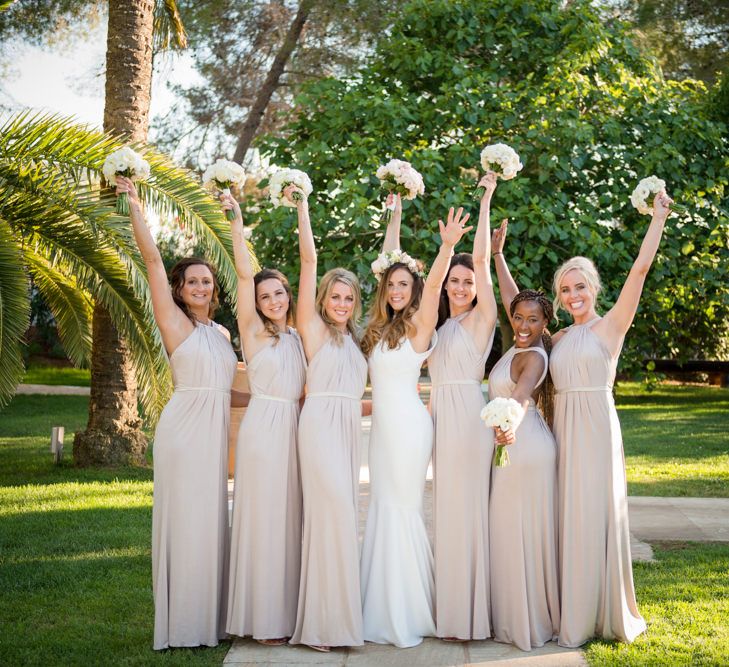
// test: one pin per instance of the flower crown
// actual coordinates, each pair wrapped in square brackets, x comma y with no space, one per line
[386,259]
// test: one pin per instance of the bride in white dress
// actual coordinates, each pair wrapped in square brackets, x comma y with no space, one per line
[397,559]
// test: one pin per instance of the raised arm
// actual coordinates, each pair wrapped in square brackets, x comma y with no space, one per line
[618,319]
[172,322]
[392,234]
[486,306]
[308,322]
[507,287]
[249,324]
[427,316]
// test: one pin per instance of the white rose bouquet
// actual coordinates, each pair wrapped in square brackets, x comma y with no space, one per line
[281,179]
[506,413]
[124,162]
[224,174]
[647,187]
[503,160]
[386,259]
[399,177]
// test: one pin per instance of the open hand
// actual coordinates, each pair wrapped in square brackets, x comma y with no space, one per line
[498,237]
[452,232]
[488,183]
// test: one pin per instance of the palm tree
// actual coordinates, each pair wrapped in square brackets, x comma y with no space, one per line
[114,427]
[60,228]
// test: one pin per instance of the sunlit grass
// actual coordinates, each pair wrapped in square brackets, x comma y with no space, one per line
[57,375]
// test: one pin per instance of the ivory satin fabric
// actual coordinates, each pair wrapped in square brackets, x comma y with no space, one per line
[523,525]
[597,594]
[330,604]
[462,454]
[265,555]
[397,560]
[190,510]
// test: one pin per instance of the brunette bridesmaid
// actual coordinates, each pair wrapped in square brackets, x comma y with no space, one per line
[265,554]
[462,449]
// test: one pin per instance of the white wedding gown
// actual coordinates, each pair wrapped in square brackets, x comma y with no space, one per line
[397,559]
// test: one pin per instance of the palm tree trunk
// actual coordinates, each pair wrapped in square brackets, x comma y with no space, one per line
[113,435]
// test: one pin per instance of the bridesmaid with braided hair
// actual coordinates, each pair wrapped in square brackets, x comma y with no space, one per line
[523,502]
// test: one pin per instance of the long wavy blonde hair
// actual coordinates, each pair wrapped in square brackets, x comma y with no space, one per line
[383,322]
[326,285]
[587,268]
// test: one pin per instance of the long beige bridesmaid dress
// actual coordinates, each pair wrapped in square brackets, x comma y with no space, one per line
[190,510]
[523,525]
[265,553]
[462,455]
[598,596]
[330,604]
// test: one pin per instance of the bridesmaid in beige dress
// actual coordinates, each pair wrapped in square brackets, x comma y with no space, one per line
[265,553]
[462,449]
[330,604]
[597,592]
[523,504]
[190,508]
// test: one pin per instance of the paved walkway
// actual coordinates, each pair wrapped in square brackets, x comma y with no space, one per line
[61,389]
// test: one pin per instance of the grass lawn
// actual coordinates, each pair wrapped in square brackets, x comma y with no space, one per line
[75,566]
[67,375]
[684,598]
[676,440]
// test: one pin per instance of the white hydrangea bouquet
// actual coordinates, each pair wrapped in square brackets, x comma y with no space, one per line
[386,259]
[506,413]
[646,189]
[124,162]
[224,174]
[503,160]
[399,177]
[281,179]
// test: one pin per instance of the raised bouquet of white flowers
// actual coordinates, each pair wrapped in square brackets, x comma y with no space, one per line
[224,174]
[124,162]
[399,177]
[503,160]
[506,413]
[281,179]
[647,187]
[386,259]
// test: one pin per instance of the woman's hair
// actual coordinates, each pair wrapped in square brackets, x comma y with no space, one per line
[268,274]
[326,285]
[545,394]
[586,268]
[444,309]
[177,282]
[384,323]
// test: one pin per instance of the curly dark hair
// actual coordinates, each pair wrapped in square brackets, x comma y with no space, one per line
[177,282]
[545,395]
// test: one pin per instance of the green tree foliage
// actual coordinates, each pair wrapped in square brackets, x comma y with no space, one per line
[58,227]
[587,112]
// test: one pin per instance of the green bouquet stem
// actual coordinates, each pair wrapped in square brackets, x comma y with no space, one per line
[501,456]
[122,204]
[678,208]
[478,193]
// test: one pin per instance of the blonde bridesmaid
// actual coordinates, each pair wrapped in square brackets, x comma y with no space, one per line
[462,449]
[265,553]
[597,591]
[190,508]
[330,606]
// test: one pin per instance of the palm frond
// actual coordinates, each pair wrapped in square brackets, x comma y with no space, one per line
[168,28]
[14,312]
[69,302]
